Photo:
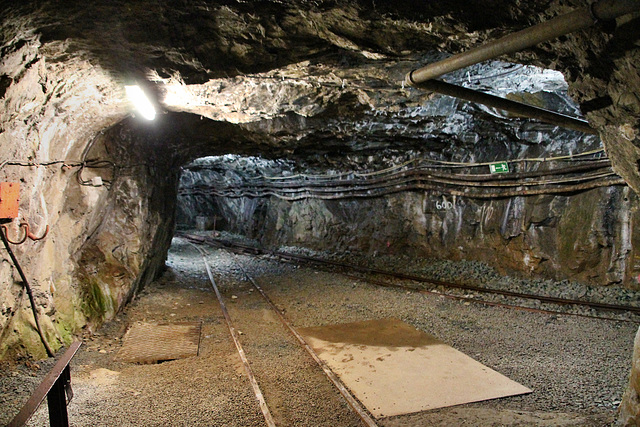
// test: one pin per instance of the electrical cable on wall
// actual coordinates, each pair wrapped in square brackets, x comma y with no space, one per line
[578,157]
[47,348]
[81,165]
[340,190]
[585,171]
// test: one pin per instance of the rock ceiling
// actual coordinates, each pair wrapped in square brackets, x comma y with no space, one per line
[208,39]
[309,79]
[299,84]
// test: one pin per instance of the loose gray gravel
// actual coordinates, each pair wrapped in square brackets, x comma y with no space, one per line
[478,274]
[578,367]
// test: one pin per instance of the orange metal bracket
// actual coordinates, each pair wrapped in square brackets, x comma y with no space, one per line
[27,233]
[21,241]
[34,238]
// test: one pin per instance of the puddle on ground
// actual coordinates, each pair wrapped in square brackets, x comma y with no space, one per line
[390,333]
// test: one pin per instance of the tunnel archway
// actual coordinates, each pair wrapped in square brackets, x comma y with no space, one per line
[297,81]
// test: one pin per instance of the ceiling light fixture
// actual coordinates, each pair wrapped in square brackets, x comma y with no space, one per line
[139,99]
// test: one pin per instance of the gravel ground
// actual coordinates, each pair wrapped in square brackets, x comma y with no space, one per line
[481,275]
[578,367]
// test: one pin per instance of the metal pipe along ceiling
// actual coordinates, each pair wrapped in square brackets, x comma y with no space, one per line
[517,108]
[579,19]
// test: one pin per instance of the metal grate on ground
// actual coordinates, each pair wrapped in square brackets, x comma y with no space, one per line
[153,342]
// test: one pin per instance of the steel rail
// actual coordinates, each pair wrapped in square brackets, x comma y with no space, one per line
[252,379]
[481,301]
[404,276]
[353,403]
[250,250]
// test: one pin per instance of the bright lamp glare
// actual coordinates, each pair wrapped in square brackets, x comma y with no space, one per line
[141,102]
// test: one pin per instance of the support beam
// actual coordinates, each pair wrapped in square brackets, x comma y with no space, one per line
[514,107]
[579,19]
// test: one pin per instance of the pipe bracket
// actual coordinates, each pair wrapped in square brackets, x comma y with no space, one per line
[27,233]
[21,241]
[34,238]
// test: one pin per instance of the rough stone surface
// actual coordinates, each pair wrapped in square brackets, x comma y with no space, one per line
[37,126]
[575,366]
[630,407]
[578,237]
[212,64]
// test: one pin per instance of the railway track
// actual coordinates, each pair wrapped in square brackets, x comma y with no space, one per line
[270,421]
[349,270]
[264,408]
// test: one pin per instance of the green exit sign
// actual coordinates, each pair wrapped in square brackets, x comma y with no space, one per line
[501,167]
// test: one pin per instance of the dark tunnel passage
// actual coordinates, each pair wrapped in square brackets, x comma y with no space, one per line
[296,127]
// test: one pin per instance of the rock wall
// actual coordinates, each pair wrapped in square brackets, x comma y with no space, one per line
[38,96]
[55,109]
[132,231]
[630,406]
[585,237]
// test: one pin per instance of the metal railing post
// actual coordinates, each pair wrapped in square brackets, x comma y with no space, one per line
[56,386]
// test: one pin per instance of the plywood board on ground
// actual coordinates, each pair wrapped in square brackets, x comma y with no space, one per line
[152,342]
[394,369]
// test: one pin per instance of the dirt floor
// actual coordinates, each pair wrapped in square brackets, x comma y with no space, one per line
[577,367]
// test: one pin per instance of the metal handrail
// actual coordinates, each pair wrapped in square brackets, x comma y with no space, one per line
[57,388]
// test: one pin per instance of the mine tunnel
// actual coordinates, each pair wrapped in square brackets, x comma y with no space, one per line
[320,213]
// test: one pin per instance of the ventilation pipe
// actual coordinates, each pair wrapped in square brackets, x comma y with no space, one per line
[514,107]
[579,19]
